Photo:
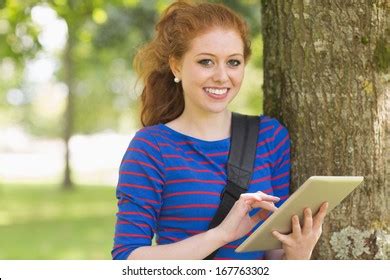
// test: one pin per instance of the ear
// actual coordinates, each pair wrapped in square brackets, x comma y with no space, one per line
[175,66]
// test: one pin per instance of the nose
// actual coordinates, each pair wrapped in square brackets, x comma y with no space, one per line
[221,74]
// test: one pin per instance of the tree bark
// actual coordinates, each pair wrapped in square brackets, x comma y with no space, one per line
[68,63]
[326,77]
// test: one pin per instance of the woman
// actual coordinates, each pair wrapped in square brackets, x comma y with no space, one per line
[174,170]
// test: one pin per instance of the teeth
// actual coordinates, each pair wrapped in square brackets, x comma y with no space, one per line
[216,91]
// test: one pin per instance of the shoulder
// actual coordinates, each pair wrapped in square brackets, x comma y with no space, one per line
[274,136]
[144,148]
[148,131]
[271,126]
[145,138]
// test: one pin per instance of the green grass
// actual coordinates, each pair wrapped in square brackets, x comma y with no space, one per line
[44,222]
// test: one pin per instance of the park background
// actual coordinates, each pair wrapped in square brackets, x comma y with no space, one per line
[69,107]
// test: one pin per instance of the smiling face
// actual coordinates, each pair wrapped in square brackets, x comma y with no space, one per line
[211,71]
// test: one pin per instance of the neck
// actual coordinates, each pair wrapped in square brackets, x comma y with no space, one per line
[209,127]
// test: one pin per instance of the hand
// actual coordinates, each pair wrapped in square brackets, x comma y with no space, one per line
[299,244]
[238,222]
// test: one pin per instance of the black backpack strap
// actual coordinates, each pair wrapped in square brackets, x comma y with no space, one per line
[242,154]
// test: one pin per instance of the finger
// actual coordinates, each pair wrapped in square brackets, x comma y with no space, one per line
[296,227]
[265,205]
[239,210]
[260,203]
[242,206]
[270,206]
[268,196]
[308,221]
[260,196]
[320,216]
[281,237]
[248,206]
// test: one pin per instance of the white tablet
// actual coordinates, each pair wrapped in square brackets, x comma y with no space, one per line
[311,194]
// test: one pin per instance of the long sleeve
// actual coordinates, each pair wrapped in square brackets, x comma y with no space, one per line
[139,189]
[280,178]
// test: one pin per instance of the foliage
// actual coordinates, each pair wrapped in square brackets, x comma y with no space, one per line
[249,9]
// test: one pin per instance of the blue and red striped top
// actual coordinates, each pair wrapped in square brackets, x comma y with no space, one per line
[170,184]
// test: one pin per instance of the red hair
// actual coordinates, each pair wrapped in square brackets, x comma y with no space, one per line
[162,98]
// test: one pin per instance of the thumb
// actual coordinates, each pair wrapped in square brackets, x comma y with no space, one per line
[281,237]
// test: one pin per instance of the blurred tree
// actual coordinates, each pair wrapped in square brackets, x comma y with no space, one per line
[101,40]
[327,78]
[100,36]
[19,42]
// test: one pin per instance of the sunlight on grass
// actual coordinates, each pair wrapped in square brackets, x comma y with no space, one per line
[47,223]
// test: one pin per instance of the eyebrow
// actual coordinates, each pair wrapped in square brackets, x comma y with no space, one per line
[215,55]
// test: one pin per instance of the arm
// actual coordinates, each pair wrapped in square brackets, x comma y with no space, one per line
[196,247]
[236,224]
[280,177]
[139,189]
[281,164]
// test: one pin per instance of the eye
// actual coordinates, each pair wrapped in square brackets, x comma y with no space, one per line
[234,62]
[206,62]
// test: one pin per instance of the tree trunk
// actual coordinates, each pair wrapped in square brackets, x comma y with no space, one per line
[67,183]
[326,77]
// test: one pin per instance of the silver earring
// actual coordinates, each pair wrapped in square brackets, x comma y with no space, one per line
[177,80]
